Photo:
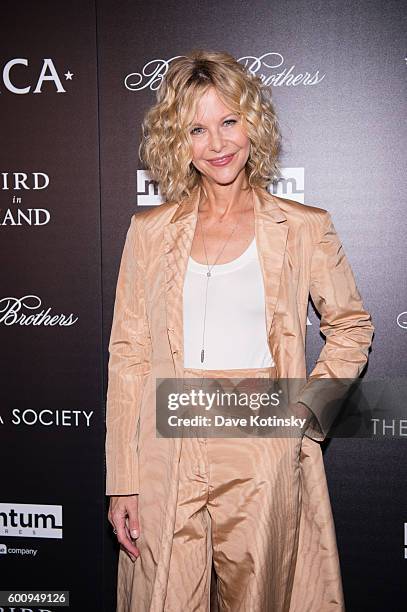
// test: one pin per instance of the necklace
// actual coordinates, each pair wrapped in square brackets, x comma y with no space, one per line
[208,276]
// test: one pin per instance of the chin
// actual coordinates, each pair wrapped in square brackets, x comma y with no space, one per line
[227,180]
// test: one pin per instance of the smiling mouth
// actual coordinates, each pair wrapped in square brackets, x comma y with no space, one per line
[221,161]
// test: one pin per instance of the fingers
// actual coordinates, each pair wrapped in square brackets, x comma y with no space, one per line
[123,516]
[132,526]
[132,521]
[123,537]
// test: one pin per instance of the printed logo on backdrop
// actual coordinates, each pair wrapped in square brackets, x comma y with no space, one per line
[270,67]
[22,552]
[14,186]
[30,520]
[402,320]
[30,417]
[148,191]
[290,185]
[273,70]
[18,311]
[20,77]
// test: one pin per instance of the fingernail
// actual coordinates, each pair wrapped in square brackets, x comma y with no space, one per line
[134,533]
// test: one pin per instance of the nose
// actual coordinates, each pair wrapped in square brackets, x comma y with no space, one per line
[216,141]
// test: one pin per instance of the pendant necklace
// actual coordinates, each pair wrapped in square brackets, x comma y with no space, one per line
[208,276]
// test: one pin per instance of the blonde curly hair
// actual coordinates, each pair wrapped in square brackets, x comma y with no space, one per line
[165,147]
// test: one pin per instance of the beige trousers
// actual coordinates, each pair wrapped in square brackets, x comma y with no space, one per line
[238,505]
[258,508]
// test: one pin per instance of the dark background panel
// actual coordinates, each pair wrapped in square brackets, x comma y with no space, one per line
[52,372]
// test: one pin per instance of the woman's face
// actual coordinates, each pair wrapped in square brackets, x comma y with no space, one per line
[220,144]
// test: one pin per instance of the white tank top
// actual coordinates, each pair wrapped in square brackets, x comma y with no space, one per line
[235,329]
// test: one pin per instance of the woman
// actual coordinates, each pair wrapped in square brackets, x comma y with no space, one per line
[215,282]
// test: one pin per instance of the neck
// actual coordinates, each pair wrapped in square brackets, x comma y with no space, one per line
[222,201]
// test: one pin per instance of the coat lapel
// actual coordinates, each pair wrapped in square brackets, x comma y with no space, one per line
[271,230]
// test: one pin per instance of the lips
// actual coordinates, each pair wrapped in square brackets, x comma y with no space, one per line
[221,161]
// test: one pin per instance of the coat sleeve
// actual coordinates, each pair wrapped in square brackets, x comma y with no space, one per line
[128,366]
[347,328]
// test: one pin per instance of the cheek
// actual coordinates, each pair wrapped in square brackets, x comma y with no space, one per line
[242,140]
[244,145]
[245,141]
[197,151]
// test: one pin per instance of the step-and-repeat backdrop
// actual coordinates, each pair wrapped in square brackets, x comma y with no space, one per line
[75,80]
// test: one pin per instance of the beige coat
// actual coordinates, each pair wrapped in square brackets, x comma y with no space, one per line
[300,254]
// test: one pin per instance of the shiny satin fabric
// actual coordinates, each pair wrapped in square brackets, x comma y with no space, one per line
[259,511]
[300,255]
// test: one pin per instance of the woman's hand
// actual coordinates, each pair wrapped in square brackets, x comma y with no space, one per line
[123,516]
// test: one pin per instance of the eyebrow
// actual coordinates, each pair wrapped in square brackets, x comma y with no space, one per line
[222,119]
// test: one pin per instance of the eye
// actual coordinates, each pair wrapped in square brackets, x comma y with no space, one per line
[195,131]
